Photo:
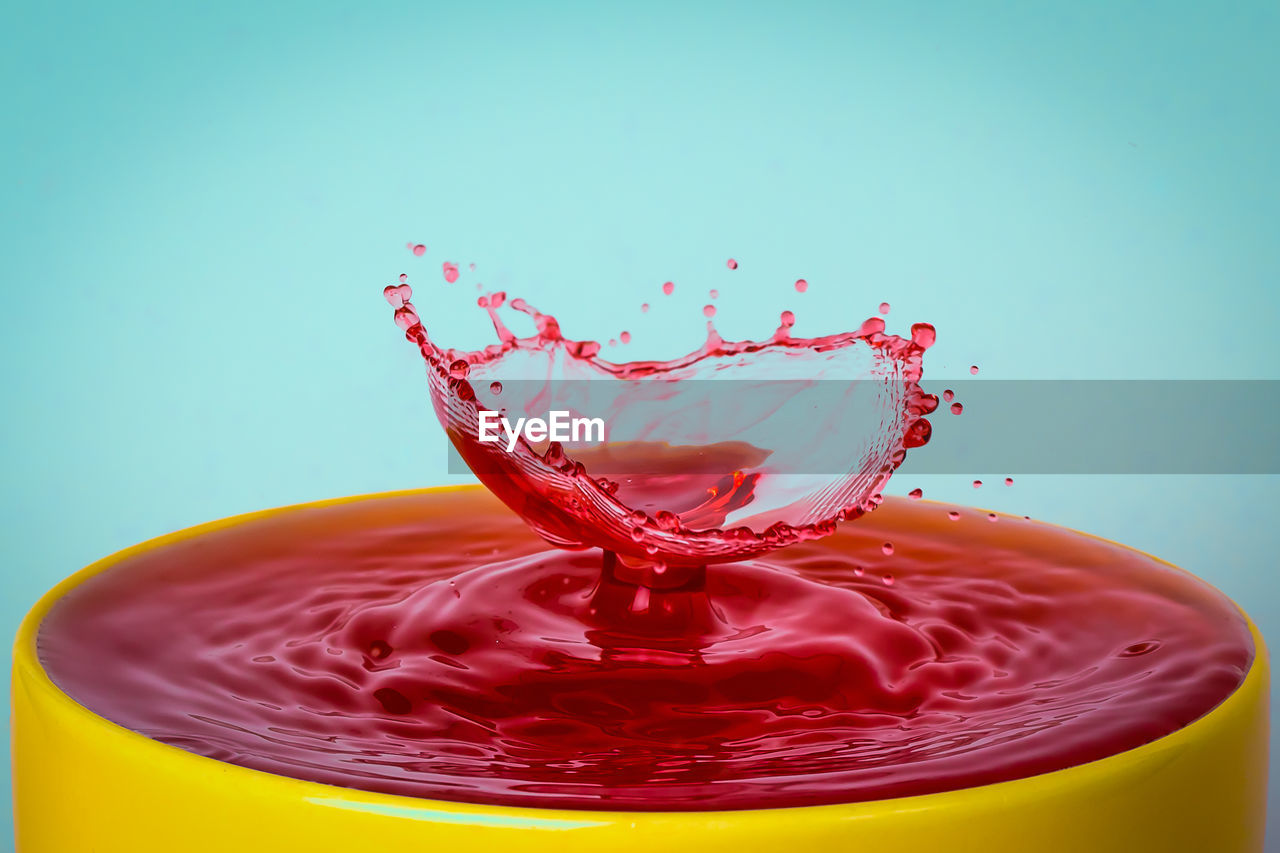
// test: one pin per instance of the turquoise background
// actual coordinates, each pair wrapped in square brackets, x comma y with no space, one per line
[201,204]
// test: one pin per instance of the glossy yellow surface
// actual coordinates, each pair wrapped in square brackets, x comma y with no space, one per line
[84,784]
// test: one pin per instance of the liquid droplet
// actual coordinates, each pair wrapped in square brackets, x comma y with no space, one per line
[731,264]
[644,308]
[915,494]
[801,285]
[459,369]
[419,250]
[973,368]
[404,277]
[953,515]
[406,318]
[957,408]
[884,307]
[977,484]
[948,395]
[709,310]
[668,287]
[924,335]
[450,271]
[788,319]
[1008,481]
[397,296]
[858,571]
[625,337]
[495,388]
[991,516]
[714,294]
[887,548]
[888,580]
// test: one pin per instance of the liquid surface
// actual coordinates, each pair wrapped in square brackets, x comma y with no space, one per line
[430,645]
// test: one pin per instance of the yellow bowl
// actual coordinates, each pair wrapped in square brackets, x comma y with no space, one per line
[82,783]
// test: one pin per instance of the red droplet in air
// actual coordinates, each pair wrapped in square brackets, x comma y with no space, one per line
[888,580]
[801,285]
[973,369]
[991,516]
[404,277]
[1008,481]
[668,287]
[887,548]
[977,484]
[471,266]
[788,319]
[948,395]
[625,337]
[709,310]
[953,515]
[884,307]
[915,494]
[957,408]
[924,335]
[714,294]
[418,249]
[731,264]
[450,272]
[495,388]
[644,309]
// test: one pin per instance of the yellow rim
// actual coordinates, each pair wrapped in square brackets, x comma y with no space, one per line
[27,667]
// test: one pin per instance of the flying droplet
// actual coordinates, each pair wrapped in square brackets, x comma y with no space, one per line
[888,580]
[668,287]
[977,484]
[404,277]
[459,369]
[625,337]
[801,285]
[644,309]
[884,307]
[915,494]
[953,515]
[731,264]
[957,408]
[948,395]
[419,250]
[709,310]
[991,516]
[714,294]
[495,388]
[788,319]
[887,548]
[450,271]
[973,368]
[1008,481]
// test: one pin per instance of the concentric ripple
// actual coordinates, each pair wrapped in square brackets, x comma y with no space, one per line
[429,645]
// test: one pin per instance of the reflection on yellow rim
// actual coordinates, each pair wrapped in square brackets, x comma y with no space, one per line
[82,783]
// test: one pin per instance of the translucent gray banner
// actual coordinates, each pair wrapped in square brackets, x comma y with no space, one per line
[1006,427]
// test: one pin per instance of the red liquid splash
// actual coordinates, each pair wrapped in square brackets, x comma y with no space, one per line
[429,645]
[718,497]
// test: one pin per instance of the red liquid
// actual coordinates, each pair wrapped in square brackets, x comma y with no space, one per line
[430,645]
[724,491]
